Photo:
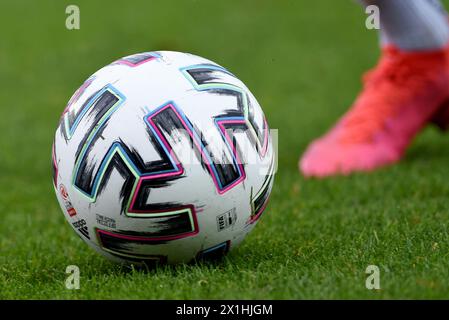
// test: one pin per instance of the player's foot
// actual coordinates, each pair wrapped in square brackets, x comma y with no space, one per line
[400,96]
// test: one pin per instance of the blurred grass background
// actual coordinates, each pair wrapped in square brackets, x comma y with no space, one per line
[303,61]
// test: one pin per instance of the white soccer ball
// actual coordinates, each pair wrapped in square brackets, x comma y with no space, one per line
[163,157]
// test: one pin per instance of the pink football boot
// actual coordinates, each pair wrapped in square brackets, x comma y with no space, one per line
[400,96]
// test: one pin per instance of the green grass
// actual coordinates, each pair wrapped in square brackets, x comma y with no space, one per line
[302,59]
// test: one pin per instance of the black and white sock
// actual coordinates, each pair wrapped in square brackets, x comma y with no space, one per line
[412,25]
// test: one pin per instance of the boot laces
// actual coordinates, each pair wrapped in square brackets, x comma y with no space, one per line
[385,88]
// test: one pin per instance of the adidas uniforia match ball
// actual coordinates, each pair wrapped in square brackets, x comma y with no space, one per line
[163,157]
